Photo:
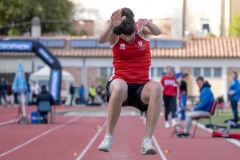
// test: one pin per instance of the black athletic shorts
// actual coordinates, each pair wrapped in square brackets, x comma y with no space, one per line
[134,96]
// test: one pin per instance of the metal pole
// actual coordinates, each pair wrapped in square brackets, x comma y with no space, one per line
[23,104]
[84,77]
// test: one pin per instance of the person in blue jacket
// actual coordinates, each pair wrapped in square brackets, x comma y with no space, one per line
[202,108]
[81,94]
[234,95]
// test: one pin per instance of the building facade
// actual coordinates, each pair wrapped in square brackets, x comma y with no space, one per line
[91,64]
[194,17]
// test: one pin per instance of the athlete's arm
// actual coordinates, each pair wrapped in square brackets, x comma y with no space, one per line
[162,81]
[146,27]
[151,29]
[107,34]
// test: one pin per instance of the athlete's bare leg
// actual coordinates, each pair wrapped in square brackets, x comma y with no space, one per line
[152,95]
[118,90]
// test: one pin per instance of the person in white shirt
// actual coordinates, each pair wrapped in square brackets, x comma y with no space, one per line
[34,88]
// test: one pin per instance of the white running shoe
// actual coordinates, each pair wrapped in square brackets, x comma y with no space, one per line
[174,122]
[106,144]
[141,118]
[147,148]
[167,124]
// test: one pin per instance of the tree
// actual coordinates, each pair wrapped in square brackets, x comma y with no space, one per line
[55,15]
[83,33]
[234,27]
[14,32]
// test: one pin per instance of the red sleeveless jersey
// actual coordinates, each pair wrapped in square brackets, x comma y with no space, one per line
[132,61]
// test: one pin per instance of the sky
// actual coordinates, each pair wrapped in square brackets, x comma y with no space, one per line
[152,9]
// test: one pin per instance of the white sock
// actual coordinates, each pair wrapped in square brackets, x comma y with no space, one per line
[147,138]
[108,135]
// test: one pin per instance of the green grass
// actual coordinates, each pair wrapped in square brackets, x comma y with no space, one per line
[219,119]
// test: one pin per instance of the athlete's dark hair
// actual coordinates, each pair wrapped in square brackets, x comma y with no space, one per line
[43,88]
[127,27]
[127,12]
[184,75]
[200,78]
[235,73]
[170,67]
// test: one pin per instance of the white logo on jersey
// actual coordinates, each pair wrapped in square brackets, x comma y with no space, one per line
[140,43]
[141,46]
[169,82]
[122,46]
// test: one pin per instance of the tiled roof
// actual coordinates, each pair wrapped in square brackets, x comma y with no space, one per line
[16,54]
[222,47]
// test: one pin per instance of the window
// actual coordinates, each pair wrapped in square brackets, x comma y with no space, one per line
[103,72]
[160,71]
[196,72]
[217,72]
[152,72]
[111,71]
[106,71]
[205,26]
[207,72]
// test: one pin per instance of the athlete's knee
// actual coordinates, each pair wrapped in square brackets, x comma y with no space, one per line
[152,90]
[119,89]
[156,89]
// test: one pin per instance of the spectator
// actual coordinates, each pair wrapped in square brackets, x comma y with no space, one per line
[169,82]
[34,91]
[71,92]
[44,96]
[183,90]
[9,94]
[15,97]
[234,96]
[28,94]
[100,93]
[3,90]
[202,108]
[99,90]
[81,93]
[92,93]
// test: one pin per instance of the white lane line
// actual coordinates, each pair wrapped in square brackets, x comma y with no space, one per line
[157,145]
[233,141]
[8,122]
[37,137]
[159,149]
[91,142]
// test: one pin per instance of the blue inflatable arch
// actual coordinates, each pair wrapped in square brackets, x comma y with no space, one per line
[25,45]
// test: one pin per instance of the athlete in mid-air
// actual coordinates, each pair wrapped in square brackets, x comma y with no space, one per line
[130,83]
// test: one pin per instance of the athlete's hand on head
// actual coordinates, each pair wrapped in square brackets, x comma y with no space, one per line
[141,23]
[116,18]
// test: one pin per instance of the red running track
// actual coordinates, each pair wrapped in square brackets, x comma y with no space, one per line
[60,141]
[127,142]
[203,146]
[12,113]
[71,135]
